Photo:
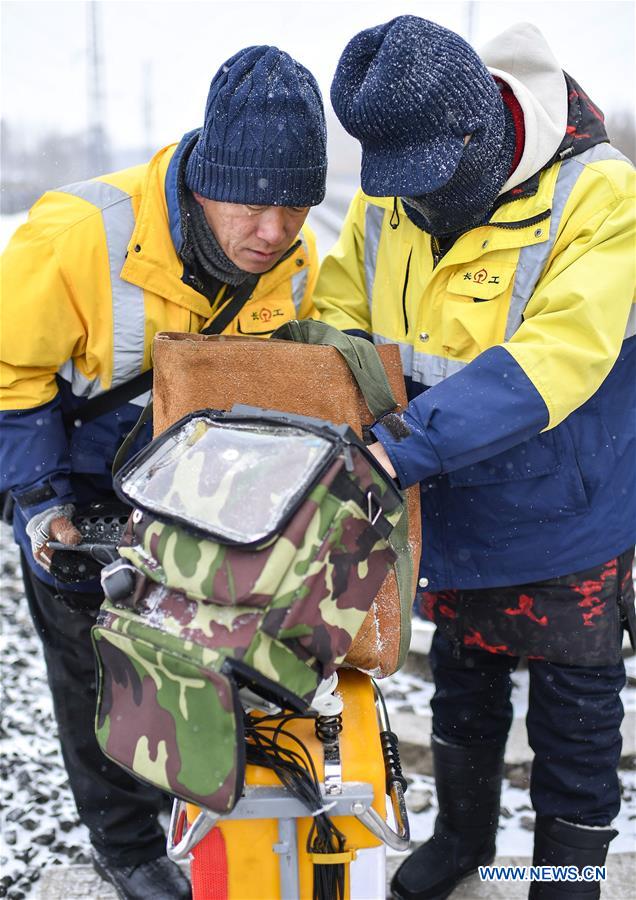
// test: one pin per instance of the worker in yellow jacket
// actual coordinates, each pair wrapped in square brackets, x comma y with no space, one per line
[209,235]
[494,242]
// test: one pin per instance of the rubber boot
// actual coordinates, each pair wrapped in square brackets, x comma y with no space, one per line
[468,782]
[561,843]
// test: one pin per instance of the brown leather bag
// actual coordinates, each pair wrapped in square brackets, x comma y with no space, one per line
[194,371]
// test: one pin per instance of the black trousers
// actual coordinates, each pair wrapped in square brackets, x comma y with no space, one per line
[573,722]
[119,811]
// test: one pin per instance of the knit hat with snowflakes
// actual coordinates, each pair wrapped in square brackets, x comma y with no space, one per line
[411,92]
[263,141]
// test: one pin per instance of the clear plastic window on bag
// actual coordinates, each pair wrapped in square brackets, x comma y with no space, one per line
[234,481]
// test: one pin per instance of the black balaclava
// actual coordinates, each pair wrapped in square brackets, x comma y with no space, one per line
[466,200]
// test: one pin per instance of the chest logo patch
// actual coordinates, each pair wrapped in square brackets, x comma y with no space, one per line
[480,281]
[482,276]
[264,314]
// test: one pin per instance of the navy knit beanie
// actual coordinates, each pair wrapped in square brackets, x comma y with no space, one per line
[409,91]
[263,141]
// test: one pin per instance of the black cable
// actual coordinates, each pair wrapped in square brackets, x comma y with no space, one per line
[296,771]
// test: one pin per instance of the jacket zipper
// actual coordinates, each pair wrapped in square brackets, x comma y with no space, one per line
[436,250]
[406,283]
[522,223]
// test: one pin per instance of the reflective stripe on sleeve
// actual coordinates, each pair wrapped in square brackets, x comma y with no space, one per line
[630,328]
[532,260]
[299,280]
[425,368]
[127,299]
[372,230]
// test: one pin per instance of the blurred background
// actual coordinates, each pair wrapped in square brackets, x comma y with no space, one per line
[90,87]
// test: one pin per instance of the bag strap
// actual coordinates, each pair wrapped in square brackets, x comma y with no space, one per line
[243,293]
[233,307]
[131,437]
[109,400]
[359,354]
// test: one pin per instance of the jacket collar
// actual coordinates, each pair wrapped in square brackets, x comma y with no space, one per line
[586,123]
[183,149]
[152,261]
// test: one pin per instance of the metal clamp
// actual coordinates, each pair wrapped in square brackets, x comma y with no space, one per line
[397,840]
[179,845]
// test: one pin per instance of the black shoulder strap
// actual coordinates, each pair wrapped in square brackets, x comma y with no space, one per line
[233,306]
[129,440]
[110,400]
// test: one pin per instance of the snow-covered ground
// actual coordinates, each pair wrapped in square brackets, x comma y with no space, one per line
[39,822]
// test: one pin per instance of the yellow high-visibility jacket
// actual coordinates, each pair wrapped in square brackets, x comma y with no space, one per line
[94,274]
[87,282]
[519,352]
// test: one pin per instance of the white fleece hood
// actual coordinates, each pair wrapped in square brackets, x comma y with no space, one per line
[521,57]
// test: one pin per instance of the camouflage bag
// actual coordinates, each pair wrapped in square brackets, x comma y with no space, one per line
[257,543]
